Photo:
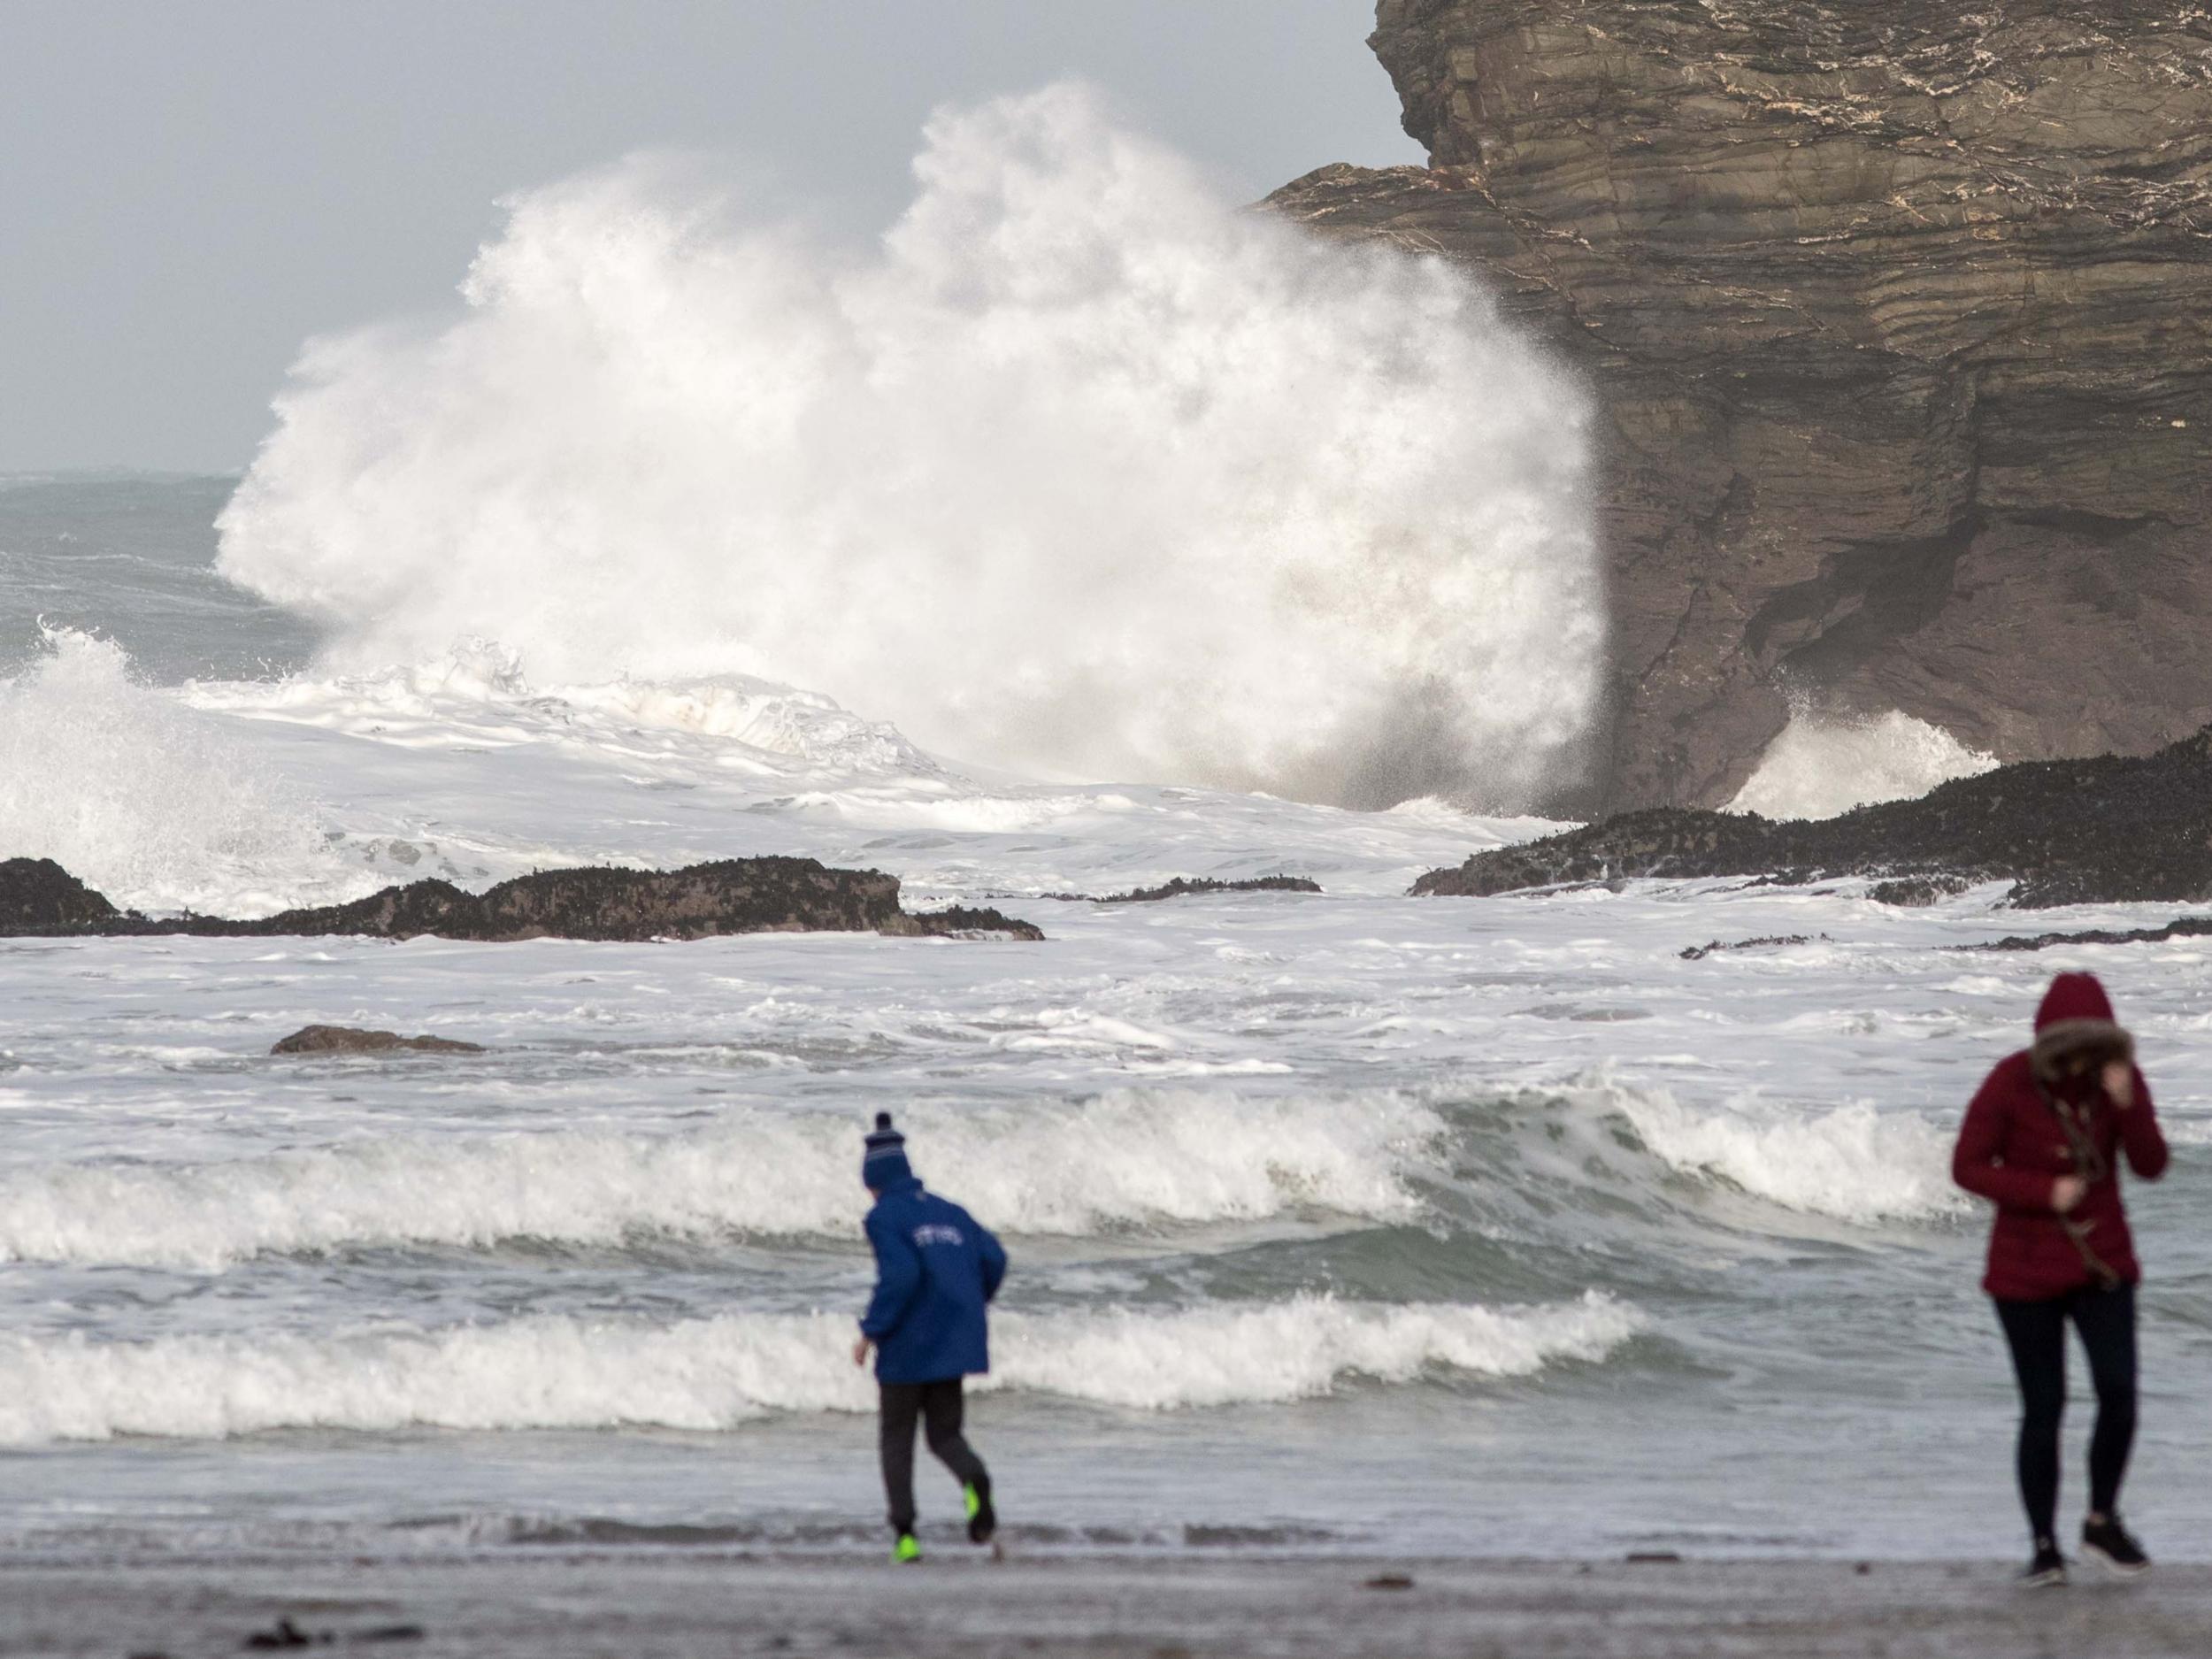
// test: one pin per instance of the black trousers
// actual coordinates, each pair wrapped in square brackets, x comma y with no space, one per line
[2037,1332]
[939,1407]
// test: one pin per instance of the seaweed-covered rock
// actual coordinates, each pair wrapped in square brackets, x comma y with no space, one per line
[2067,831]
[1917,892]
[735,895]
[961,921]
[1186,887]
[352,1040]
[39,893]
[2180,927]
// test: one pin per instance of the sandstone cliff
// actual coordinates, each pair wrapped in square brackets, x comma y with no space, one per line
[1901,316]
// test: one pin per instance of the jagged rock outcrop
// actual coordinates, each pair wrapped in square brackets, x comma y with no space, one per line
[2070,831]
[1899,317]
[732,896]
[36,892]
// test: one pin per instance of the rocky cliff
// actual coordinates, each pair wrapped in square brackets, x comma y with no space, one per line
[1900,318]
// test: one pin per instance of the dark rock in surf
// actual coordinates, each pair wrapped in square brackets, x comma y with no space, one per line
[1183,886]
[2070,831]
[37,893]
[735,895]
[1898,317]
[1917,892]
[1714,947]
[961,921]
[2180,927]
[348,1040]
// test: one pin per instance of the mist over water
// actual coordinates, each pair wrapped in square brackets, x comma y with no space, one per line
[1084,470]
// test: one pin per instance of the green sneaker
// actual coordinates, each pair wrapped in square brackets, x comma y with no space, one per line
[982,1519]
[907,1549]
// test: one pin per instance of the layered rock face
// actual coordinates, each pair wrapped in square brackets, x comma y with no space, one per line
[1900,317]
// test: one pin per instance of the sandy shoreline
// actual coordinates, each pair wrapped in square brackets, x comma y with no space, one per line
[640,1605]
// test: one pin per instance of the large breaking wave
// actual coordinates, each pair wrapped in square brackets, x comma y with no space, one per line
[1082,471]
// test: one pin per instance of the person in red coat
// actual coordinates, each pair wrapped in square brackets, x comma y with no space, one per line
[2042,1139]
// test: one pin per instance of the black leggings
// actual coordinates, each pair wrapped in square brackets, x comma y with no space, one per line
[939,1406]
[2036,1332]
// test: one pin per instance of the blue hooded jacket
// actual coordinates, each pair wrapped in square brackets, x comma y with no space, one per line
[935,1270]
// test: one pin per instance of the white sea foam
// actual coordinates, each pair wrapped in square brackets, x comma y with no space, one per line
[707,1374]
[1084,472]
[1820,767]
[156,805]
[1130,1158]
[477,694]
[1850,1161]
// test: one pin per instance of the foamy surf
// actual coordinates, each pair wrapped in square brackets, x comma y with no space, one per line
[1130,1159]
[717,1373]
[1848,1161]
[1824,766]
[160,807]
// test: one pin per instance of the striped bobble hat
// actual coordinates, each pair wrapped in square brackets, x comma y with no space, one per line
[886,1162]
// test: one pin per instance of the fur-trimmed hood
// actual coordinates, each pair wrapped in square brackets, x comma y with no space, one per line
[2075,1018]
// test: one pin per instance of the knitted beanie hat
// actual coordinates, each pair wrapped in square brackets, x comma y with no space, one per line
[886,1162]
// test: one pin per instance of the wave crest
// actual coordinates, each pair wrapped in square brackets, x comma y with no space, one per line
[1128,1159]
[711,1374]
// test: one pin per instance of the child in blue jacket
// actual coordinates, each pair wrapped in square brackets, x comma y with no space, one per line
[935,1271]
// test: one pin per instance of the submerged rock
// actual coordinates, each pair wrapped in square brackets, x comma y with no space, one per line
[2070,832]
[1898,320]
[734,895]
[350,1039]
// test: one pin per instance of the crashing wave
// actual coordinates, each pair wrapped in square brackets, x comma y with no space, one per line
[1851,1163]
[1086,473]
[709,1374]
[1132,1158]
[1824,767]
[158,806]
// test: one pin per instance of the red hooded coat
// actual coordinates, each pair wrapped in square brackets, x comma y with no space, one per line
[2013,1147]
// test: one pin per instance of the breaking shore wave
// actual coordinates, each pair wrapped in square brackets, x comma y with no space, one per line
[715,1373]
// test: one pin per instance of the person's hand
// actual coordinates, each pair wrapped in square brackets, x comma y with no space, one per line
[860,1351]
[2066,1191]
[2119,1077]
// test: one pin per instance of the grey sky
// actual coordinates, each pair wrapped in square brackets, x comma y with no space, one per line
[186,191]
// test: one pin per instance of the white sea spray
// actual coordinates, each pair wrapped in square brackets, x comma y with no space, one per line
[1083,471]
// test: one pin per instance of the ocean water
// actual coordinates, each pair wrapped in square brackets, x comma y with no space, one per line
[1086,535]
[1339,1221]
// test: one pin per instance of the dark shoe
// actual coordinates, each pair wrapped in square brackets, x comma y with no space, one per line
[2048,1567]
[982,1519]
[907,1551]
[2112,1544]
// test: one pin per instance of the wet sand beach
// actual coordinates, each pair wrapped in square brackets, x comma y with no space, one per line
[642,1606]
